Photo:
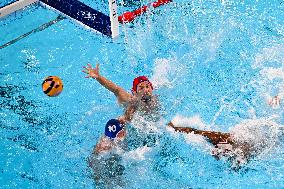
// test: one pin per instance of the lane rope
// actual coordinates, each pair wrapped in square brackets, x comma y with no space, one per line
[131,15]
[40,28]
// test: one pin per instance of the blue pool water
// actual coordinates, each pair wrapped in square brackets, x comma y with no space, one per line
[214,65]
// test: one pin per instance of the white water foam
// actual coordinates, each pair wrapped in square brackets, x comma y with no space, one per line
[161,69]
[166,71]
[262,134]
[190,138]
[194,121]
[270,61]
[138,154]
[272,54]
[143,124]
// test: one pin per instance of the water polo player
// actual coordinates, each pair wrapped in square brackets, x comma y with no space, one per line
[141,99]
[114,134]
[105,160]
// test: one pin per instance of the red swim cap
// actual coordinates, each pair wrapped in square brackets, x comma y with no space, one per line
[138,80]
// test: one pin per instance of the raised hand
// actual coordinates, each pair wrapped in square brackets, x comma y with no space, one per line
[92,72]
[274,102]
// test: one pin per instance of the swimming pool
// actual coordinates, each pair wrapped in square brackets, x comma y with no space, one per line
[213,63]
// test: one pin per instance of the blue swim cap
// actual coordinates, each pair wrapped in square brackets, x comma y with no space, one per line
[113,126]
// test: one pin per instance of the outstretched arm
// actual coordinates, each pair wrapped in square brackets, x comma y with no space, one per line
[120,93]
[103,145]
[213,137]
[129,112]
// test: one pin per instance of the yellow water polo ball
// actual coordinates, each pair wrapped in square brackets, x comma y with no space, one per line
[52,86]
